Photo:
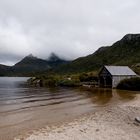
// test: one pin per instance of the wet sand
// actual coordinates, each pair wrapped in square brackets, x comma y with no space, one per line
[112,122]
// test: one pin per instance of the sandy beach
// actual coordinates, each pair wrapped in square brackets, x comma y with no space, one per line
[108,123]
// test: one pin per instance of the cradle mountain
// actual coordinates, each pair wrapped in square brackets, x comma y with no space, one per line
[31,65]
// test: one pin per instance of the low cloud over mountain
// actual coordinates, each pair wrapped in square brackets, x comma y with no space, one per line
[70,28]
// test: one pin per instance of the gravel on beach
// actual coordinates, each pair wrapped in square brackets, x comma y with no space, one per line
[108,123]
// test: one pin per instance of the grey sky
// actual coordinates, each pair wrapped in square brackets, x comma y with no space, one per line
[69,28]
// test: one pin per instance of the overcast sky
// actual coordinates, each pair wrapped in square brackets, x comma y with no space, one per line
[69,28]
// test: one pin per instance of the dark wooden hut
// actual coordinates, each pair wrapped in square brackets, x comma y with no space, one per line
[110,76]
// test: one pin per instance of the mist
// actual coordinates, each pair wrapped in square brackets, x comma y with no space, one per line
[69,28]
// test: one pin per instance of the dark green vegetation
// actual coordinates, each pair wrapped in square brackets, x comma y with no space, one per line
[30,66]
[53,80]
[124,52]
[88,77]
[130,84]
[4,70]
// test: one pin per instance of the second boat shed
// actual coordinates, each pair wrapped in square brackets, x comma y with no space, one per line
[110,76]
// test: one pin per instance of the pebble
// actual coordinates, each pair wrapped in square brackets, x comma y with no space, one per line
[137,119]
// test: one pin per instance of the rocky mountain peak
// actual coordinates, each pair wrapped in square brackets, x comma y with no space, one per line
[53,57]
[130,37]
[31,56]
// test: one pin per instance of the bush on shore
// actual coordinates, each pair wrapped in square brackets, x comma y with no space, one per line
[85,77]
[42,81]
[69,83]
[130,84]
[53,81]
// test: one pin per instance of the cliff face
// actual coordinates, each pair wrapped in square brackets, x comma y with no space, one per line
[131,37]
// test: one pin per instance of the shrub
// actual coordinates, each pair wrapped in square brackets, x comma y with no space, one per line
[130,84]
[55,80]
[43,80]
[69,83]
[50,83]
[84,77]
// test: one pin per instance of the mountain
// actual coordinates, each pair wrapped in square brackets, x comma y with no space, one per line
[55,60]
[31,65]
[124,52]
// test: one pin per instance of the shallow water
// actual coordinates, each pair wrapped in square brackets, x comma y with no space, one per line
[23,108]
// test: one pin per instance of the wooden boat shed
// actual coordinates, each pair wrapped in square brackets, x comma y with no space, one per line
[110,76]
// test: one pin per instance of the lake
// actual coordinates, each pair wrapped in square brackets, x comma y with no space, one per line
[24,108]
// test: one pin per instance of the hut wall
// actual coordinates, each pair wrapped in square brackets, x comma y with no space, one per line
[105,78]
[116,79]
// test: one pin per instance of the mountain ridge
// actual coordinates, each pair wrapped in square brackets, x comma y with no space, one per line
[126,51]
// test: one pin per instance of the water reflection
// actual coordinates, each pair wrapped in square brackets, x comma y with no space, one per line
[12,82]
[102,96]
[126,95]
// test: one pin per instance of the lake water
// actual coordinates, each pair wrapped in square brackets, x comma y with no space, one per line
[23,108]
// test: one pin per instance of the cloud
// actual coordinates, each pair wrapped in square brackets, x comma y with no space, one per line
[70,28]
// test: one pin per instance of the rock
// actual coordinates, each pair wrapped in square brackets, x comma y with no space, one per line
[137,119]
[97,130]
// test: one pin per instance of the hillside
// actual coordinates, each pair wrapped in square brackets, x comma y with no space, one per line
[124,52]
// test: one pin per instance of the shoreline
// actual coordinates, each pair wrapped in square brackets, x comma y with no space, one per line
[110,123]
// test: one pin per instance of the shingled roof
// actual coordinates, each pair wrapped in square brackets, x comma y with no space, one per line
[120,70]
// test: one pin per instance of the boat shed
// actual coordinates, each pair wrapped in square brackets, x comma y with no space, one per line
[110,76]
